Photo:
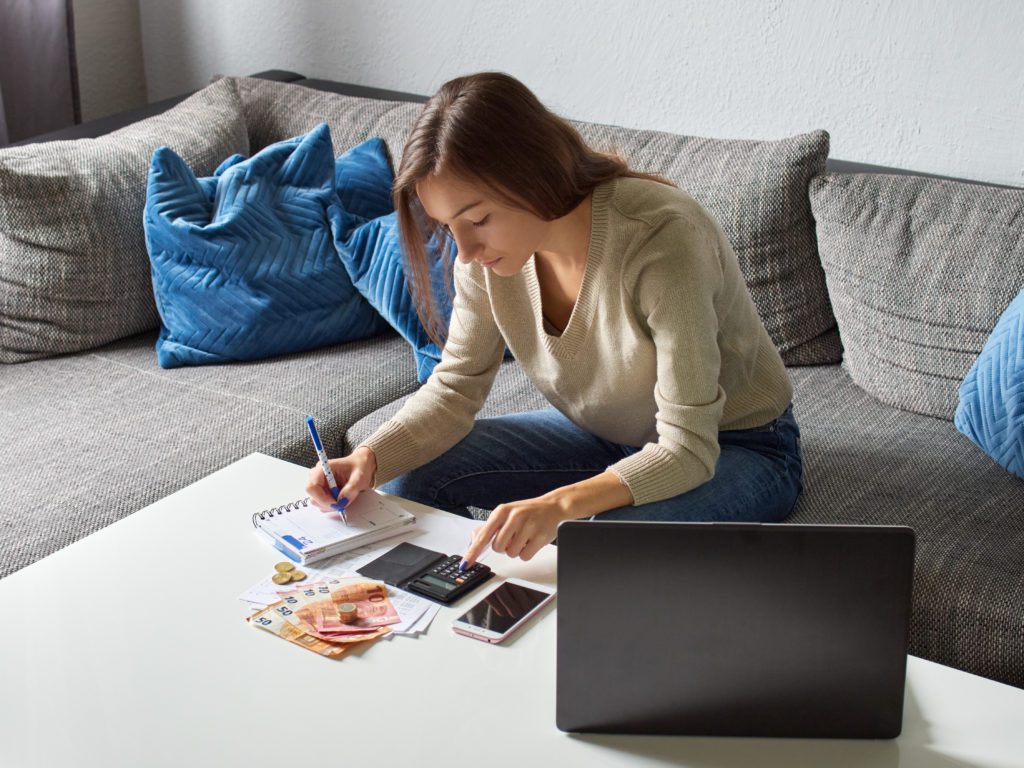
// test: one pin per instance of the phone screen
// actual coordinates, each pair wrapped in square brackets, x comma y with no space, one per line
[501,609]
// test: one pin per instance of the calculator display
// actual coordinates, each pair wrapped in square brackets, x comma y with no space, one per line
[503,607]
[434,581]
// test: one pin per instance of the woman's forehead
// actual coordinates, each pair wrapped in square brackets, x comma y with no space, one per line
[444,195]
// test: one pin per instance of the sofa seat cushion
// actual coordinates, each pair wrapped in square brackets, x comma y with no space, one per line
[919,270]
[74,273]
[865,462]
[128,432]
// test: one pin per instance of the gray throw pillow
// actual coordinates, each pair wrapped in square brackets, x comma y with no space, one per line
[757,190]
[74,273]
[919,270]
[276,111]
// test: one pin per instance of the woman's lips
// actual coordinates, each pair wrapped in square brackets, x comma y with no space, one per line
[491,263]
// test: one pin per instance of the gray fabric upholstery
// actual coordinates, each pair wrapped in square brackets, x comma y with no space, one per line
[278,111]
[74,272]
[125,432]
[757,191]
[919,270]
[865,462]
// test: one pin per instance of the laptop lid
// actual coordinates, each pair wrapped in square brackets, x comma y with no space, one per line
[733,629]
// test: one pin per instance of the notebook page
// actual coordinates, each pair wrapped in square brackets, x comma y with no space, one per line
[307,528]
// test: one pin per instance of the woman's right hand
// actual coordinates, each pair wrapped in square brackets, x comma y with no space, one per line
[353,474]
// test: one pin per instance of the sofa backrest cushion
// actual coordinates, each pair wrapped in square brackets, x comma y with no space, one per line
[74,273]
[756,189]
[276,111]
[918,270]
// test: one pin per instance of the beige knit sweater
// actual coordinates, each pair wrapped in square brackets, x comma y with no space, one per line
[663,349]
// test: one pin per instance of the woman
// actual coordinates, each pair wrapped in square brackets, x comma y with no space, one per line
[623,302]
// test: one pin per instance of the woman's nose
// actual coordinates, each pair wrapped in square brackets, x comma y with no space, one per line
[468,250]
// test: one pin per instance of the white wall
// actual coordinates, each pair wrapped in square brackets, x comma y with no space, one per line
[929,85]
[108,50]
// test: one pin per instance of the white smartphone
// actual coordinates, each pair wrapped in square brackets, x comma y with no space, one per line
[503,610]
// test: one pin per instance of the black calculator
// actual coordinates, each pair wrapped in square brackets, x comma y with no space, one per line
[434,575]
[446,583]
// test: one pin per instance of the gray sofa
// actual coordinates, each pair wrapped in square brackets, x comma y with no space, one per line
[91,436]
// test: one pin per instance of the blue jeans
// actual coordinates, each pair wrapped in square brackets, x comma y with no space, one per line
[758,476]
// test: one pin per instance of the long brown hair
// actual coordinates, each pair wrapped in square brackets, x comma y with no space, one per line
[491,128]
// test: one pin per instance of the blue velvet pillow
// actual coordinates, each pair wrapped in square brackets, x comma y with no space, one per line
[370,248]
[363,179]
[243,264]
[991,408]
[372,254]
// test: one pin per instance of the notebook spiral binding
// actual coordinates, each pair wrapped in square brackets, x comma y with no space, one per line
[279,510]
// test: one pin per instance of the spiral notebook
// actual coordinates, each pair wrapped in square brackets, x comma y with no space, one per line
[305,534]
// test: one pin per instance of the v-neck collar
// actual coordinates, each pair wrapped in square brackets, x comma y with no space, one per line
[581,317]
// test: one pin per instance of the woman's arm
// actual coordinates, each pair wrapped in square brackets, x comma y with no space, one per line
[442,411]
[521,528]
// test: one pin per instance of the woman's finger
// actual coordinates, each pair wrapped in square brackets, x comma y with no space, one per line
[483,535]
[505,535]
[320,498]
[518,538]
[531,549]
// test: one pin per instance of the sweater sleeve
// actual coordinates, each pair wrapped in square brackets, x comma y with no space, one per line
[677,278]
[442,411]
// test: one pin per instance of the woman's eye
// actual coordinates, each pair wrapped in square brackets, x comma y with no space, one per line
[482,221]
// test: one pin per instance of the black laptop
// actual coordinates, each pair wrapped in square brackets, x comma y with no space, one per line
[723,629]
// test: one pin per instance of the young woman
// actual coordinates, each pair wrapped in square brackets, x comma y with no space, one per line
[620,298]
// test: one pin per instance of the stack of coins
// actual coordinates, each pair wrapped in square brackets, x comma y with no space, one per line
[286,573]
[347,613]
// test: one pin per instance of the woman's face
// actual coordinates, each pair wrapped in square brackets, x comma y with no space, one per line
[485,230]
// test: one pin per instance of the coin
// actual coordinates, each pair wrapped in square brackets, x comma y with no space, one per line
[281,578]
[297,575]
[284,567]
[348,613]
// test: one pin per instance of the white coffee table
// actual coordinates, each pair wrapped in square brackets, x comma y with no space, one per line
[129,648]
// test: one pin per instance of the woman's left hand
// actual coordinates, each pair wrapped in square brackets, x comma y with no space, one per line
[519,528]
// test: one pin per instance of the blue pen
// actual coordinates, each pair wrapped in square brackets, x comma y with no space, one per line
[335,490]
